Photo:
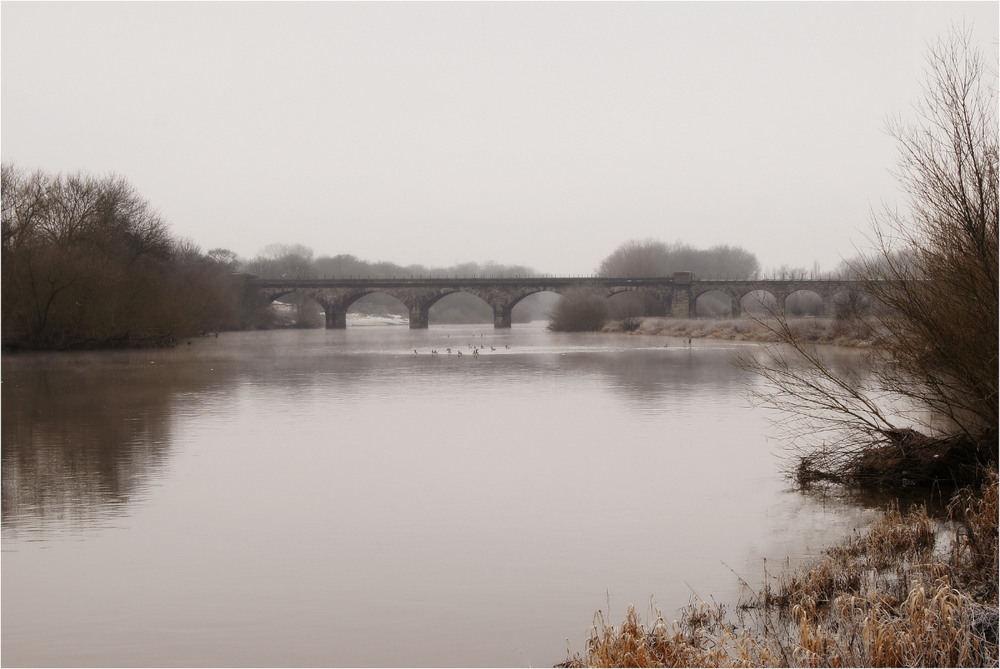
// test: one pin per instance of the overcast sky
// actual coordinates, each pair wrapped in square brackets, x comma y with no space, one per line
[540,134]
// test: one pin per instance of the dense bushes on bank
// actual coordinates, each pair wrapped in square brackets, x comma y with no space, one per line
[87,263]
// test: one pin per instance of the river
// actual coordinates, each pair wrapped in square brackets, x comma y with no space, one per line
[331,498]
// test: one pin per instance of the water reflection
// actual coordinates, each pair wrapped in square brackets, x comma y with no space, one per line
[84,434]
[330,498]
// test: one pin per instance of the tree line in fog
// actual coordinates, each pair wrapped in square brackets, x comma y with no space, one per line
[88,263]
[583,310]
[295,261]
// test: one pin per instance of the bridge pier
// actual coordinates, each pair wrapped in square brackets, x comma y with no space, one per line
[779,306]
[501,318]
[336,319]
[680,303]
[419,317]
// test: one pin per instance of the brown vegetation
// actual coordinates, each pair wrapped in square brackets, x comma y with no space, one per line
[579,311]
[910,591]
[87,263]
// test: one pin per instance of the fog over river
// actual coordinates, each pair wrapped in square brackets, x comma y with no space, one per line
[330,498]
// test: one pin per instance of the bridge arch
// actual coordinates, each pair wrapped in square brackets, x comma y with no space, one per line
[298,309]
[625,301]
[716,302]
[849,302]
[503,304]
[299,299]
[534,307]
[804,302]
[456,308]
[759,303]
[377,302]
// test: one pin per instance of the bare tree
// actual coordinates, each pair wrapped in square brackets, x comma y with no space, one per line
[225,257]
[283,261]
[653,258]
[940,294]
[928,409]
[637,258]
[87,262]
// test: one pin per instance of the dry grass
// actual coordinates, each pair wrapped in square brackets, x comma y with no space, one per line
[635,644]
[891,596]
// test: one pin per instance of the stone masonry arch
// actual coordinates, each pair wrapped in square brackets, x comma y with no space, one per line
[678,292]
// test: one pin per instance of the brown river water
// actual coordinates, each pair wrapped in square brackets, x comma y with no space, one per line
[329,498]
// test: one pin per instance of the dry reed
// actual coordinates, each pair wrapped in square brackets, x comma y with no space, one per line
[891,596]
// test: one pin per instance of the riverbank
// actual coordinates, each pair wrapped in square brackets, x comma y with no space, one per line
[909,591]
[832,331]
[914,589]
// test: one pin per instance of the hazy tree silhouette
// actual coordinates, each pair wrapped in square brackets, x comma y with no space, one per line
[653,258]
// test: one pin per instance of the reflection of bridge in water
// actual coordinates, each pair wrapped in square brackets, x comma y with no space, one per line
[678,293]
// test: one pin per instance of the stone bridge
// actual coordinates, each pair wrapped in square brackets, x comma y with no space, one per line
[677,293]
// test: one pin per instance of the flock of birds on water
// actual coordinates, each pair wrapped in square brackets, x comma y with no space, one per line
[475,350]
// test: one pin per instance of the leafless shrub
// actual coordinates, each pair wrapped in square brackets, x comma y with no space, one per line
[631,323]
[579,311]
[927,412]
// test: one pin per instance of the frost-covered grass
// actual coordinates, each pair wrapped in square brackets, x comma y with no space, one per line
[817,330]
[899,594]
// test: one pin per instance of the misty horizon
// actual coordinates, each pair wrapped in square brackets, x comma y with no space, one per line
[539,134]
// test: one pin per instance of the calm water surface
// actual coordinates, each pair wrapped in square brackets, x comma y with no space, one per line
[328,498]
